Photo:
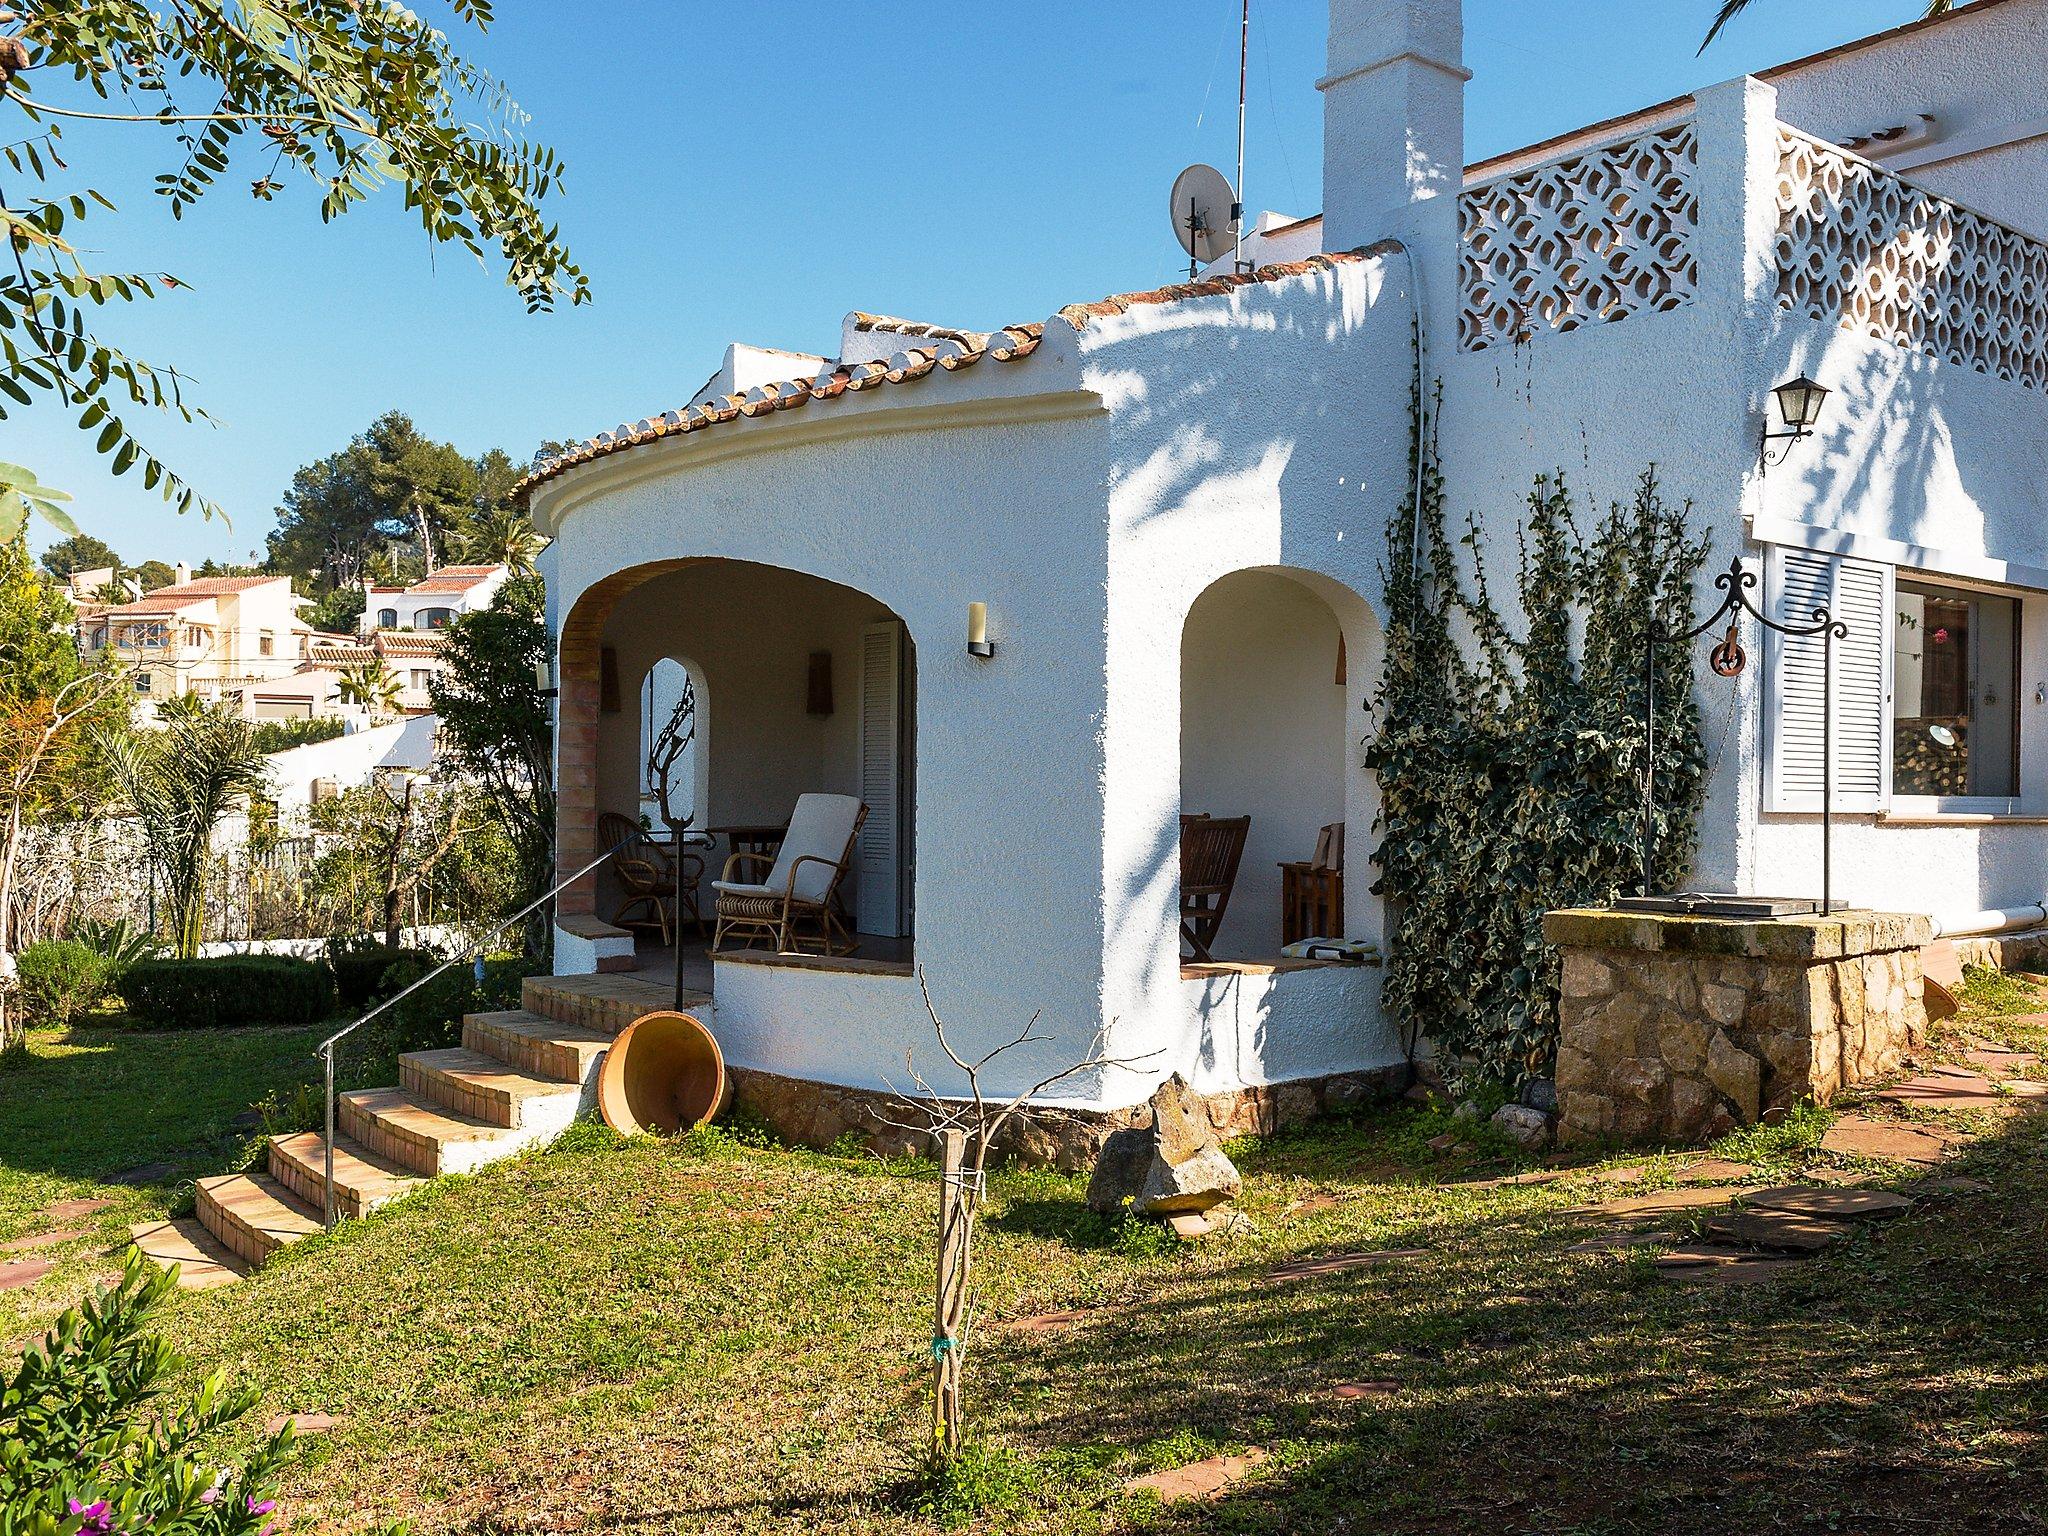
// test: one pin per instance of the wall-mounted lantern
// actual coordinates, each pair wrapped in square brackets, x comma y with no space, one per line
[544,677]
[978,642]
[1799,404]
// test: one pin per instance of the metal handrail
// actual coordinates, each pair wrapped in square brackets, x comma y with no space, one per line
[472,951]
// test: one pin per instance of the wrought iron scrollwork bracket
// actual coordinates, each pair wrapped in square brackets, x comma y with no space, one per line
[1728,659]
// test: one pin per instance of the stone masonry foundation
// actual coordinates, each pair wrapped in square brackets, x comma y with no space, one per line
[1678,1029]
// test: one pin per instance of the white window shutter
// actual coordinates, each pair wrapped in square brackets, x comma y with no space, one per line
[1858,594]
[880,899]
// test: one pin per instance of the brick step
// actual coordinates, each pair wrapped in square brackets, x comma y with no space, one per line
[362,1180]
[415,1134]
[604,1003]
[487,1089]
[253,1215]
[533,1043]
[204,1263]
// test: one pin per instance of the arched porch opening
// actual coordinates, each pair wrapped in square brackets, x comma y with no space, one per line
[675,700]
[802,686]
[1275,665]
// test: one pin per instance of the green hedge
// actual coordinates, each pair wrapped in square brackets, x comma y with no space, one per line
[227,989]
[60,980]
[431,1018]
[359,974]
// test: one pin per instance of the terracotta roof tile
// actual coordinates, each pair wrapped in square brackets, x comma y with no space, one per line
[331,651]
[949,350]
[170,599]
[455,578]
[411,642]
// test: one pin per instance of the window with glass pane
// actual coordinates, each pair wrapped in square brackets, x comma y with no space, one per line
[1955,693]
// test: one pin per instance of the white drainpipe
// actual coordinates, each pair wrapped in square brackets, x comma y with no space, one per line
[1997,920]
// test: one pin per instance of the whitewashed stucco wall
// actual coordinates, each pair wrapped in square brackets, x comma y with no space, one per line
[922,499]
[1918,462]
[1265,429]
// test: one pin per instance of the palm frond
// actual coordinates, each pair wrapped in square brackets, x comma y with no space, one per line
[1730,9]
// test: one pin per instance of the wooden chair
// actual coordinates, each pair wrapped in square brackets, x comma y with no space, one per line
[647,874]
[1210,848]
[801,887]
[1312,893]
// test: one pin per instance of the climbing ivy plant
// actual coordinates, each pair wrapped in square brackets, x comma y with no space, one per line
[1509,751]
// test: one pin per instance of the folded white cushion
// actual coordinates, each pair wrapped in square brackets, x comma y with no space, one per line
[735,888]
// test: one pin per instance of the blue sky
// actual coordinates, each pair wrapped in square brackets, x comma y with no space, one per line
[751,172]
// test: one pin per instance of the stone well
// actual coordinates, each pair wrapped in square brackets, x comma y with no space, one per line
[1678,1028]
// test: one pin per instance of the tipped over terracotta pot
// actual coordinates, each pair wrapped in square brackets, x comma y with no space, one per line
[663,1074]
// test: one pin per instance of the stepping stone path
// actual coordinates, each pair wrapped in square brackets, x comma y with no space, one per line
[1201,1481]
[1308,1205]
[1668,1202]
[1304,1269]
[1351,1390]
[1776,1231]
[1832,1204]
[1787,1224]
[23,1272]
[303,1423]
[1620,1242]
[71,1210]
[1950,1089]
[1047,1322]
[2007,1062]
[1855,1136]
[1704,1265]
[1715,1170]
[37,1240]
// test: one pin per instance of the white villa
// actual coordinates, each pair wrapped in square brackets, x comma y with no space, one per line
[1173,506]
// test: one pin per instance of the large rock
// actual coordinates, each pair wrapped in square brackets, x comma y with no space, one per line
[1204,1180]
[1524,1126]
[1120,1170]
[1170,1166]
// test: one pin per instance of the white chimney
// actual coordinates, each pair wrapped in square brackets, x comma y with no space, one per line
[1393,119]
[181,573]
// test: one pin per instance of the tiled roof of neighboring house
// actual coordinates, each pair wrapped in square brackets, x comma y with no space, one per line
[170,599]
[455,578]
[335,651]
[951,351]
[412,642]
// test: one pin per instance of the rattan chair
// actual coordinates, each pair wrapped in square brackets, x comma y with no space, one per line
[1210,848]
[647,873]
[800,890]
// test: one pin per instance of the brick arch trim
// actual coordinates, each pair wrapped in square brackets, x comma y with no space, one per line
[578,671]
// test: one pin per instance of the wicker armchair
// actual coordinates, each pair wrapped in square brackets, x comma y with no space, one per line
[797,899]
[648,873]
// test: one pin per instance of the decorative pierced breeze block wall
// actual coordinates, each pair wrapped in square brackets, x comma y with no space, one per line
[1864,249]
[1678,1029]
[1601,236]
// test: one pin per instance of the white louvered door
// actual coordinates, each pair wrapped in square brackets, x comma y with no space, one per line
[1859,594]
[880,901]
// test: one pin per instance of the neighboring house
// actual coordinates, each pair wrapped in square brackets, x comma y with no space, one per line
[1173,505]
[231,640]
[300,776]
[433,602]
[413,657]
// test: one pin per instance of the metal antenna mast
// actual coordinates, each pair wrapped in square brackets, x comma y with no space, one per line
[1244,53]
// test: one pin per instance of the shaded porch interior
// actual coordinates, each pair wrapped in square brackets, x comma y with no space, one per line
[789,685]
[1268,732]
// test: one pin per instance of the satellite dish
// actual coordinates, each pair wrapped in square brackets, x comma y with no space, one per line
[1204,213]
